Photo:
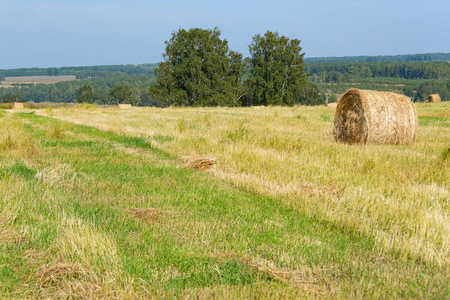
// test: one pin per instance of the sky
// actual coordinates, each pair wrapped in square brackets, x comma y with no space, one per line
[52,33]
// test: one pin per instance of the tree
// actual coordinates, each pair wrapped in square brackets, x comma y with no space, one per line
[276,70]
[120,94]
[136,96]
[52,71]
[198,69]
[85,94]
[309,94]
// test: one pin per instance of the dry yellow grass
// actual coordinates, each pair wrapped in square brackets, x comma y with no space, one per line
[397,194]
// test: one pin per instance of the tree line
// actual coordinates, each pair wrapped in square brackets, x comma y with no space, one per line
[199,69]
[381,58]
[417,89]
[82,72]
[68,91]
[347,72]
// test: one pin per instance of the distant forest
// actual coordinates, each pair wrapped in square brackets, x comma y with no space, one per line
[83,72]
[413,75]
[391,58]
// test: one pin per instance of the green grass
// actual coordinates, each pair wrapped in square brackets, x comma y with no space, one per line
[69,203]
[434,121]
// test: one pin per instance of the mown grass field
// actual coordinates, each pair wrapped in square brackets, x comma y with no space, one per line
[98,203]
[39,79]
[9,82]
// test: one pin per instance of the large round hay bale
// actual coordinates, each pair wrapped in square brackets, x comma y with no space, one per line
[364,116]
[434,98]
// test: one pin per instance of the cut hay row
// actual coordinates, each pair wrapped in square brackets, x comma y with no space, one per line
[364,116]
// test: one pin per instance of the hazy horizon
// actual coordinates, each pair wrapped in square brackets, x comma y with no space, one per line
[51,33]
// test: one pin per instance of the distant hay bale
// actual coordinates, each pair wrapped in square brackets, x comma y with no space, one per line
[18,105]
[200,163]
[433,98]
[364,116]
[333,104]
[124,105]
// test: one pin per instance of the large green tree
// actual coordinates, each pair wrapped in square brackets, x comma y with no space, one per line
[120,94]
[198,69]
[85,94]
[276,74]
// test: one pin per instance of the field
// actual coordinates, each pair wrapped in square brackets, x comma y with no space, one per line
[99,203]
[10,81]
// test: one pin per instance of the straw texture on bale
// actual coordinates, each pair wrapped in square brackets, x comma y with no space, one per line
[365,116]
[434,98]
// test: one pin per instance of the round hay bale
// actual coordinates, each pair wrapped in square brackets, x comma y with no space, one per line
[433,98]
[364,116]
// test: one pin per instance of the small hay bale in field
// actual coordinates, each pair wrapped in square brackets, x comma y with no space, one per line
[200,163]
[124,105]
[333,104]
[365,116]
[433,98]
[17,105]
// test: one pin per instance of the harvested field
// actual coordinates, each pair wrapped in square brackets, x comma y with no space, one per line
[283,211]
[38,79]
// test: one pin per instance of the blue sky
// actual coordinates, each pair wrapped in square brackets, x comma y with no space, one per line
[51,33]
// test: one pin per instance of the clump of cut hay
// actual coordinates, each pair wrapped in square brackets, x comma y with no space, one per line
[125,106]
[365,116]
[146,214]
[18,105]
[58,175]
[58,272]
[68,281]
[433,98]
[200,163]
